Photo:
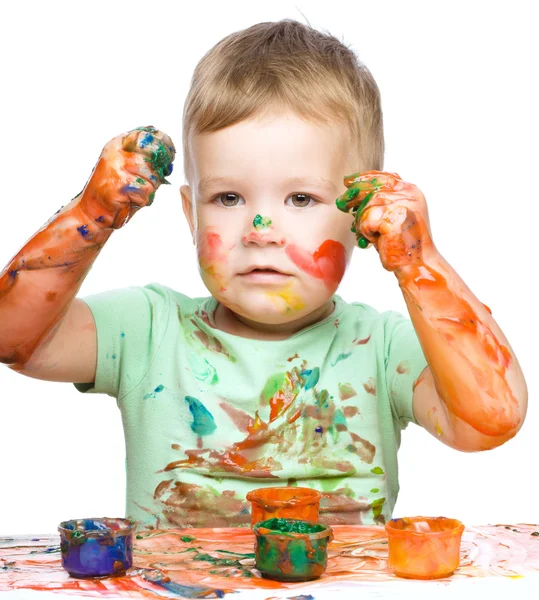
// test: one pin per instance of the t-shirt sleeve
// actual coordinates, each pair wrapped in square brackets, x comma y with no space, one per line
[129,323]
[404,362]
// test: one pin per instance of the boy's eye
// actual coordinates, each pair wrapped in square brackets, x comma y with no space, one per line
[228,199]
[300,200]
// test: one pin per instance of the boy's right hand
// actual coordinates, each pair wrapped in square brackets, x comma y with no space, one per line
[130,169]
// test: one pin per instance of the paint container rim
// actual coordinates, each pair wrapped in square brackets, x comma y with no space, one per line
[99,533]
[306,496]
[327,530]
[456,527]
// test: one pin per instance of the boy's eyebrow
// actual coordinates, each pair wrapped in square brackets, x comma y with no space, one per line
[211,181]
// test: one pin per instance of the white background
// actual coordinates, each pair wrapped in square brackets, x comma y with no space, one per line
[458,83]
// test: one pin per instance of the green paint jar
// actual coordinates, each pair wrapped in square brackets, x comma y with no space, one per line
[291,550]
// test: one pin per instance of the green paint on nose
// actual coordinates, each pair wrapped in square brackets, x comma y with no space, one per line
[260,222]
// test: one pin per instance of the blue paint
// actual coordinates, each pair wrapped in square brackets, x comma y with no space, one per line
[342,356]
[158,389]
[148,139]
[13,273]
[302,597]
[100,219]
[319,429]
[184,591]
[127,189]
[83,230]
[169,170]
[122,334]
[310,377]
[96,547]
[153,178]
[203,421]
[114,357]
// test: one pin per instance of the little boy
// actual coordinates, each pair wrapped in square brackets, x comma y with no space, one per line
[273,379]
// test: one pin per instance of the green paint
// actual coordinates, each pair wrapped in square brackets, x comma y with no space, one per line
[160,160]
[149,129]
[291,526]
[377,471]
[140,180]
[375,490]
[286,555]
[187,538]
[376,506]
[344,203]
[202,369]
[260,222]
[151,198]
[273,384]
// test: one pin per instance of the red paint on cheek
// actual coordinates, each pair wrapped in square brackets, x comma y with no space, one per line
[328,262]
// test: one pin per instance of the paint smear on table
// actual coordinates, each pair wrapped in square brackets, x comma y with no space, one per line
[210,563]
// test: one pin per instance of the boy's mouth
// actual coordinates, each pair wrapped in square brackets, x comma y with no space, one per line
[264,274]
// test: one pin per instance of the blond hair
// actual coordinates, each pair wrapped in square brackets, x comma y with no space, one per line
[285,65]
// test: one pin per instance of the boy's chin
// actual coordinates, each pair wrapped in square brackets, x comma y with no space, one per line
[269,308]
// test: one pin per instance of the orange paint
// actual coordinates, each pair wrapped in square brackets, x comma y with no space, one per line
[424,547]
[284,503]
[328,262]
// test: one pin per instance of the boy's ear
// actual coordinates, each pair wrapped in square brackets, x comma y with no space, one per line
[188,208]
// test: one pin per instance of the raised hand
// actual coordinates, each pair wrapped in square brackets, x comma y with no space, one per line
[130,169]
[389,213]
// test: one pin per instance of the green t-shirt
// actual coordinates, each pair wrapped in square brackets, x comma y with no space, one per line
[209,416]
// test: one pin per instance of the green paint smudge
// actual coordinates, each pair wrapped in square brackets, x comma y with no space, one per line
[377,471]
[260,222]
[290,526]
[376,506]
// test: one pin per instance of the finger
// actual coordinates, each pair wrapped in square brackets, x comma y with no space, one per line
[360,192]
[382,177]
[155,146]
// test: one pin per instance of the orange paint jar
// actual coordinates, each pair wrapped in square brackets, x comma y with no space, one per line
[424,547]
[284,503]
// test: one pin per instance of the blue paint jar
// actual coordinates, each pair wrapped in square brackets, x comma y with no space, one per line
[96,547]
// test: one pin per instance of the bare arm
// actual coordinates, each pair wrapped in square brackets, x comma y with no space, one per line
[43,332]
[473,395]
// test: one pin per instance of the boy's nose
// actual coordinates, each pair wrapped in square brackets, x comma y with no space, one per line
[262,231]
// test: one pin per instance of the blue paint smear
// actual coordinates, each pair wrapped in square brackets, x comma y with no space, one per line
[100,219]
[153,178]
[122,334]
[319,429]
[302,597]
[203,421]
[342,356]
[310,377]
[13,273]
[83,230]
[148,139]
[130,188]
[158,389]
[184,591]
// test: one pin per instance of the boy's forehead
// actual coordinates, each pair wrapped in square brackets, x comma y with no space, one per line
[290,149]
[211,182]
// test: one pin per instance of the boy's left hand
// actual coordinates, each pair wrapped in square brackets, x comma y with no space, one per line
[390,214]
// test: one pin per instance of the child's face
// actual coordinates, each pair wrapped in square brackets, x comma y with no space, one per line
[272,245]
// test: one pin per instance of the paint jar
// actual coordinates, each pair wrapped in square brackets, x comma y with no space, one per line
[96,547]
[291,550]
[284,503]
[424,547]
